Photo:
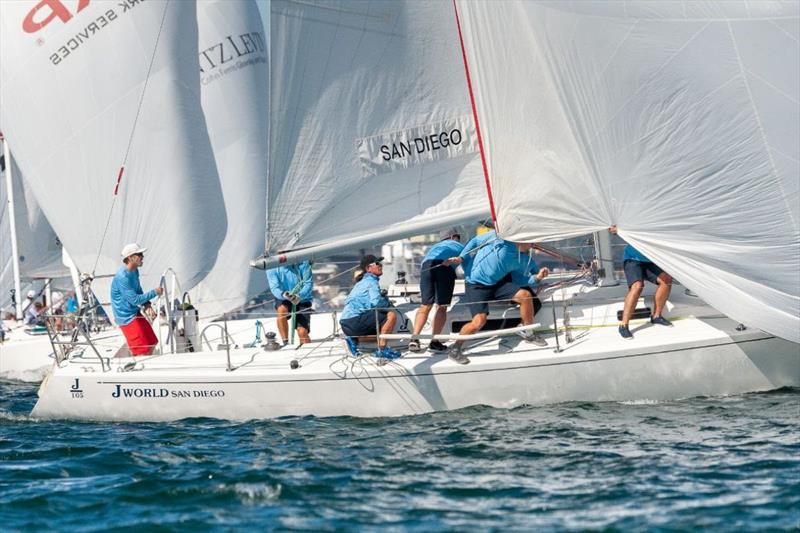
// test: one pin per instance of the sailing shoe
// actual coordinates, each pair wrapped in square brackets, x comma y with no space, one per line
[534,338]
[352,346]
[387,353]
[660,320]
[413,345]
[456,355]
[625,332]
[437,346]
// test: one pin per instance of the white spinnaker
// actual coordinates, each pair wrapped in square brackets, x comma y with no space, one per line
[72,79]
[363,98]
[235,83]
[677,121]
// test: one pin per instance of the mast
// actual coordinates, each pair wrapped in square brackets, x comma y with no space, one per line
[12,224]
[74,273]
[605,259]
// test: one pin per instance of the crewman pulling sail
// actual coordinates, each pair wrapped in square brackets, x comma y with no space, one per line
[127,298]
[292,286]
[500,272]
[637,269]
[436,283]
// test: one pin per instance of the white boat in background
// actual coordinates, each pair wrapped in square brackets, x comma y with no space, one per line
[322,198]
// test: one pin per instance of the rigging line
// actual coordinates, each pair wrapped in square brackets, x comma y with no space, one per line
[130,139]
[475,116]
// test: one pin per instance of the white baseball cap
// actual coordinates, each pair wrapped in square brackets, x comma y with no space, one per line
[31,294]
[132,248]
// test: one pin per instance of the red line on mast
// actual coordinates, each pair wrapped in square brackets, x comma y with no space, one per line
[475,116]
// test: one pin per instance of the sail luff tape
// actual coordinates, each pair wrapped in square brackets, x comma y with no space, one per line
[475,116]
[119,179]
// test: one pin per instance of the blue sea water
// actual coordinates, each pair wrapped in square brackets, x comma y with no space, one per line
[712,464]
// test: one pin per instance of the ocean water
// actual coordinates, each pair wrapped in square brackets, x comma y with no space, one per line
[712,464]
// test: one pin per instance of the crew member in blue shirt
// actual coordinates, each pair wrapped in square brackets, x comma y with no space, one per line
[436,283]
[637,269]
[491,278]
[127,298]
[467,255]
[293,285]
[358,318]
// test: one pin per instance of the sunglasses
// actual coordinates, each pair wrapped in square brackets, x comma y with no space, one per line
[376,264]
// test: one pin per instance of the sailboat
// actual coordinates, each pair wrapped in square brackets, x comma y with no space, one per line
[345,172]
[233,73]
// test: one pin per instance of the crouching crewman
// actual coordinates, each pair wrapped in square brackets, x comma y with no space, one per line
[491,278]
[359,315]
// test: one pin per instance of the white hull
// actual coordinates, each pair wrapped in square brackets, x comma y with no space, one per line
[697,357]
[25,357]
[28,358]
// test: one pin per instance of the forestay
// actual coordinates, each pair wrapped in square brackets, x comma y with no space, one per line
[677,121]
[234,74]
[73,76]
[371,131]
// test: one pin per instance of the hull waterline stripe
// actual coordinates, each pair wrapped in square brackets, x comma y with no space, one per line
[409,375]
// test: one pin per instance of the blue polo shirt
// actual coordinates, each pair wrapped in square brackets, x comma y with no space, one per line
[365,295]
[467,258]
[444,250]
[495,261]
[127,295]
[293,278]
[633,254]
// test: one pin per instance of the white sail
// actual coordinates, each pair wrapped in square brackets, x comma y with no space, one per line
[677,121]
[88,86]
[370,124]
[234,74]
[38,246]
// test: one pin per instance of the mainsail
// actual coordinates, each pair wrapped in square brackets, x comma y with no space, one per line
[677,121]
[90,86]
[234,74]
[371,134]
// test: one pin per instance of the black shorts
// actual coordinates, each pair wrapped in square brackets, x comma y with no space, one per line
[302,314]
[478,296]
[639,271]
[436,282]
[363,325]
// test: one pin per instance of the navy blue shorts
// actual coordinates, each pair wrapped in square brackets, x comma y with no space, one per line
[436,282]
[363,325]
[302,315]
[639,271]
[478,296]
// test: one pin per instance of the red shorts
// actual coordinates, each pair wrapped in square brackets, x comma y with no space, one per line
[140,336]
